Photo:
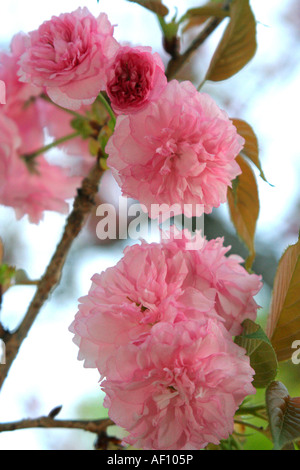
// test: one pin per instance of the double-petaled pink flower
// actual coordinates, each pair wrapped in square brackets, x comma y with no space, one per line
[180,388]
[180,149]
[149,284]
[69,56]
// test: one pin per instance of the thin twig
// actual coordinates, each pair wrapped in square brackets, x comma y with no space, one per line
[245,410]
[83,204]
[107,106]
[252,426]
[55,143]
[94,426]
[177,63]
[28,282]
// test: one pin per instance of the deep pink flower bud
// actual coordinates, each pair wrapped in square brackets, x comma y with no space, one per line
[136,77]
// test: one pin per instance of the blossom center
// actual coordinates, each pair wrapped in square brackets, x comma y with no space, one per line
[168,150]
[132,79]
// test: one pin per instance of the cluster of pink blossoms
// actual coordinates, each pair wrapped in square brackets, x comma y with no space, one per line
[171,144]
[159,325]
[44,186]
[67,58]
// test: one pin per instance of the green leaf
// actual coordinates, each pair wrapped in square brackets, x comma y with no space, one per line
[154,5]
[262,355]
[284,415]
[97,113]
[82,126]
[251,145]
[238,44]
[198,16]
[6,275]
[104,136]
[283,326]
[244,207]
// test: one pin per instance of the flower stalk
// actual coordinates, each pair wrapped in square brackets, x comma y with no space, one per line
[31,156]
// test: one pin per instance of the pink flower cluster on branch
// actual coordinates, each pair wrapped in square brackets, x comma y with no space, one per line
[158,326]
[171,144]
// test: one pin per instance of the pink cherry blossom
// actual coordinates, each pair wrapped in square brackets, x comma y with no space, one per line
[149,284]
[180,149]
[136,77]
[32,114]
[161,282]
[44,188]
[180,388]
[69,55]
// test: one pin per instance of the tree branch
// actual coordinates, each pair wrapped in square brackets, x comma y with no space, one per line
[177,63]
[83,204]
[260,429]
[94,426]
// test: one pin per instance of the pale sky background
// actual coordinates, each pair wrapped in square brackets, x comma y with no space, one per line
[40,380]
